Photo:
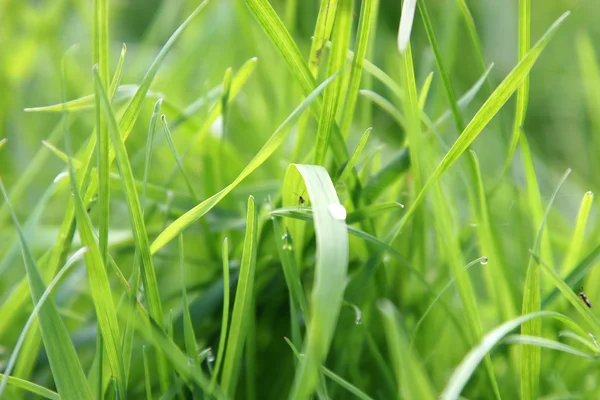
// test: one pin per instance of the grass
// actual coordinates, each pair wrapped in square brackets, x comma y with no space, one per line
[332,207]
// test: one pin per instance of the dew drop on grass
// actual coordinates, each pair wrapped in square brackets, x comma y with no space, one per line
[211,357]
[484,260]
[337,211]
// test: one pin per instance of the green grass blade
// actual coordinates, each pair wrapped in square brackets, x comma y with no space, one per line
[242,304]
[186,177]
[425,91]
[545,343]
[330,273]
[463,372]
[116,79]
[523,90]
[188,327]
[530,355]
[32,387]
[225,316]
[576,244]
[489,109]
[67,373]
[333,376]
[13,357]
[406,21]
[411,378]
[365,23]
[341,39]
[147,382]
[263,154]
[347,172]
[590,75]
[385,177]
[386,106]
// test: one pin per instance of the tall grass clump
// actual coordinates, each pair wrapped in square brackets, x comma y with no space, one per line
[330,199]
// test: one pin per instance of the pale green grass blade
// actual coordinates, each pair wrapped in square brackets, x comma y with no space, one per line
[32,388]
[186,177]
[116,79]
[485,114]
[225,316]
[333,376]
[545,343]
[273,27]
[347,172]
[479,261]
[365,23]
[585,312]
[531,355]
[242,304]
[330,273]
[372,211]
[411,378]
[341,39]
[425,91]
[98,282]
[386,106]
[590,75]
[149,145]
[451,96]
[463,372]
[13,357]
[263,154]
[523,90]
[406,21]
[497,275]
[574,250]
[147,382]
[584,341]
[67,373]
[188,327]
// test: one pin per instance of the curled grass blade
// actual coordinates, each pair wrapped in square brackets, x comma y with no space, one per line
[242,305]
[263,154]
[330,273]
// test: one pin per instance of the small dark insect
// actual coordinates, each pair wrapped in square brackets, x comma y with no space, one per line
[584,298]
[301,200]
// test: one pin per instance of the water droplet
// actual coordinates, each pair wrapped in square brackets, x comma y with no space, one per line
[401,205]
[358,321]
[284,237]
[211,357]
[590,193]
[337,211]
[484,260]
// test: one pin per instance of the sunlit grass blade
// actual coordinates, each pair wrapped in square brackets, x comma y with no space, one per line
[479,261]
[330,273]
[545,343]
[31,387]
[186,177]
[13,357]
[225,316]
[365,23]
[576,244]
[425,91]
[333,376]
[485,114]
[242,304]
[406,22]
[116,79]
[523,90]
[67,373]
[463,372]
[411,378]
[341,39]
[263,154]
[531,355]
[347,172]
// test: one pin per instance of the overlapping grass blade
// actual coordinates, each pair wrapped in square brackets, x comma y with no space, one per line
[263,154]
[330,273]
[67,373]
[523,90]
[186,177]
[489,109]
[346,173]
[363,34]
[386,106]
[576,244]
[545,343]
[341,39]
[530,355]
[411,378]
[333,376]
[463,372]
[225,316]
[242,304]
[31,387]
[13,357]
[188,327]
[425,91]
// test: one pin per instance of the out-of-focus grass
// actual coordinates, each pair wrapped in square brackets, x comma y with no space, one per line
[323,255]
